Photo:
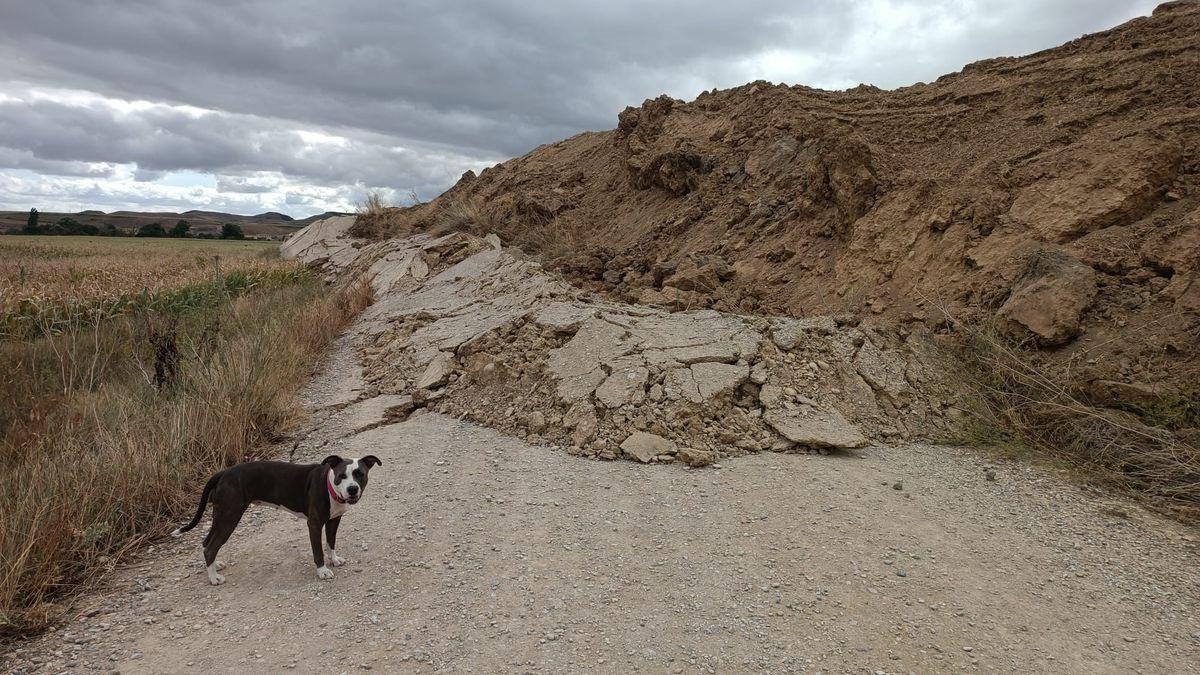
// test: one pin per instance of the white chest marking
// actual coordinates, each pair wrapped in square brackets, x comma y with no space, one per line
[336,510]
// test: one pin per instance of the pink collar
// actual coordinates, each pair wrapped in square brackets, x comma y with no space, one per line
[329,486]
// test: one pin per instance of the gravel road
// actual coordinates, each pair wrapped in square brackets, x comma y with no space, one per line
[475,552]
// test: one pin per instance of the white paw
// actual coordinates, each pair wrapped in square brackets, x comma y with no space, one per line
[324,573]
[336,560]
[220,565]
[214,578]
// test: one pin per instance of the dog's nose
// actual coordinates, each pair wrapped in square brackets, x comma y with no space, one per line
[352,490]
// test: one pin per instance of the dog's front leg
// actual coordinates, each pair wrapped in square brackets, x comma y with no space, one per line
[331,528]
[314,538]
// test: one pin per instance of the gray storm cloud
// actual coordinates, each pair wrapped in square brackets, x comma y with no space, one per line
[416,92]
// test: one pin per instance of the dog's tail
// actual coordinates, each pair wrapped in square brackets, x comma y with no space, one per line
[208,487]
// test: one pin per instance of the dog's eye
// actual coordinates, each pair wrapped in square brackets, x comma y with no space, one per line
[341,477]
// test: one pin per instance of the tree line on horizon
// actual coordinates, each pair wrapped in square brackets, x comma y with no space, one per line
[67,226]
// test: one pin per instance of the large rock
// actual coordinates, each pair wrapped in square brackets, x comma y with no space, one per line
[437,372]
[704,276]
[815,427]
[1111,392]
[787,334]
[1050,296]
[391,268]
[644,446]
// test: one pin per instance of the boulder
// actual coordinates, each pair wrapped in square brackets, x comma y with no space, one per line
[577,365]
[770,395]
[535,422]
[700,276]
[644,446]
[1049,297]
[787,334]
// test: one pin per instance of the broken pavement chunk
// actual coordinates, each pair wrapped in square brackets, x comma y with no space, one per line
[644,446]
[815,427]
[437,372]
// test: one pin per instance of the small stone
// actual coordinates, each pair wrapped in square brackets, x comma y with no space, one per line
[901,573]
[898,485]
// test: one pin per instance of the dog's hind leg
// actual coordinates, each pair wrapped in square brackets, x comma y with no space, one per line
[331,528]
[225,520]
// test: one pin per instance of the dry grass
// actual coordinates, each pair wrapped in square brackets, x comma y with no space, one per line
[550,238]
[1031,407]
[376,219]
[134,412]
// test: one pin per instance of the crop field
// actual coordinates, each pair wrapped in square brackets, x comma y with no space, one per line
[47,280]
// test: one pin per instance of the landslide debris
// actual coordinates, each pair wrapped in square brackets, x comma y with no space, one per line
[1059,191]
[465,327]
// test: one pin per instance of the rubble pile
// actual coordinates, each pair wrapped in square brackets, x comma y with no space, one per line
[464,327]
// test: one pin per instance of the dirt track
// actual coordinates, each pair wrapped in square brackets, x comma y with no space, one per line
[474,552]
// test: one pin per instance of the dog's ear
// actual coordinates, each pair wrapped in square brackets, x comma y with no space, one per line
[332,461]
[370,461]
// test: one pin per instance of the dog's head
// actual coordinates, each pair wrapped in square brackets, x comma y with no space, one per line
[348,477]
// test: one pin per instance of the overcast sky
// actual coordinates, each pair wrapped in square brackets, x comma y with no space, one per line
[302,106]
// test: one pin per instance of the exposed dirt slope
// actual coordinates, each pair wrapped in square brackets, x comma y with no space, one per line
[1056,191]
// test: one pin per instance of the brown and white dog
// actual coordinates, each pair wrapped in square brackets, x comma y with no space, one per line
[319,493]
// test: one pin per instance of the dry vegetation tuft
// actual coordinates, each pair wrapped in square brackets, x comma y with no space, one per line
[1032,407]
[119,417]
[551,238]
[376,219]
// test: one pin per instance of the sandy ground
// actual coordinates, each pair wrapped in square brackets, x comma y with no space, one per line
[475,552]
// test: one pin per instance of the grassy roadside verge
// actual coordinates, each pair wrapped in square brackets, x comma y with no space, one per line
[114,420]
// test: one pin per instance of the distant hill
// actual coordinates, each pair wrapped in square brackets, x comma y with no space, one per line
[271,224]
